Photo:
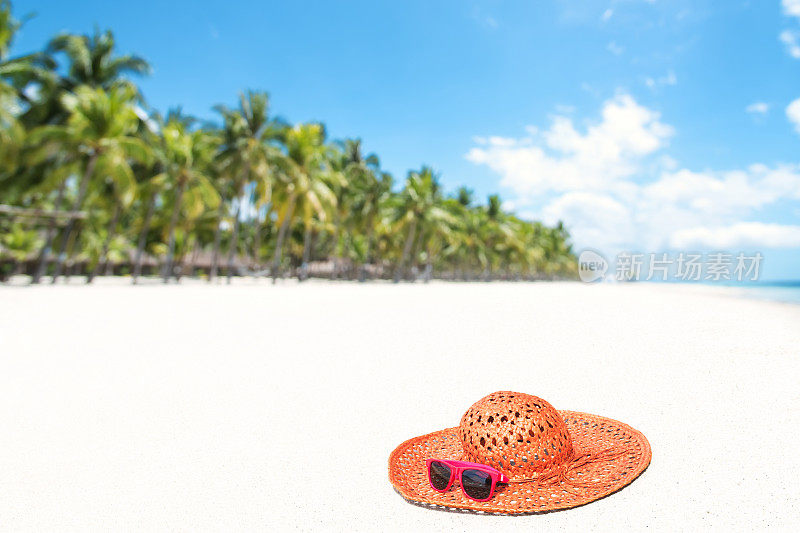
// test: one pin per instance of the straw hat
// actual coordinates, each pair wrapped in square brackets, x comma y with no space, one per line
[554,459]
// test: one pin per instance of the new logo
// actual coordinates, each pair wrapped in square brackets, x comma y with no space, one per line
[591,266]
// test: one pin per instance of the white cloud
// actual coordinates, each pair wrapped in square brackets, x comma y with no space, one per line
[791,8]
[758,108]
[668,79]
[502,141]
[790,39]
[741,236]
[615,49]
[597,219]
[606,15]
[590,89]
[615,188]
[725,193]
[682,199]
[793,113]
[668,163]
[563,159]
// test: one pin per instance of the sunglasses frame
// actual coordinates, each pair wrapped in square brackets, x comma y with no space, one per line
[457,470]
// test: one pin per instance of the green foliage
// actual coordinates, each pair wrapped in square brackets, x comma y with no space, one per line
[91,60]
[20,243]
[75,135]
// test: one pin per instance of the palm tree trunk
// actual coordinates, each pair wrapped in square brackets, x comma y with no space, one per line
[112,230]
[414,256]
[44,256]
[109,269]
[235,236]
[82,188]
[217,240]
[428,265]
[109,266]
[73,269]
[176,209]
[276,260]
[362,275]
[306,253]
[398,272]
[188,259]
[337,233]
[137,261]
[197,249]
[234,241]
[256,247]
[487,269]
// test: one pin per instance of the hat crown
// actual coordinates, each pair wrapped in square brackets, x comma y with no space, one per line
[519,434]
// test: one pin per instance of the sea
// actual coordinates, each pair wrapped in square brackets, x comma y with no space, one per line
[780,291]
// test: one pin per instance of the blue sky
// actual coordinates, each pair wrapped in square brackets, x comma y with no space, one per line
[647,125]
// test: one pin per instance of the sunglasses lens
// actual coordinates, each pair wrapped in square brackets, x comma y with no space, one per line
[476,484]
[439,474]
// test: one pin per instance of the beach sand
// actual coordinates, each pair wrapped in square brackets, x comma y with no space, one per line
[253,406]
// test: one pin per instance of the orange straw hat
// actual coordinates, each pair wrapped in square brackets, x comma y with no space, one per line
[553,459]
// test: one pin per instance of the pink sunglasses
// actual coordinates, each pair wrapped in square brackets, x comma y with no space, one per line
[477,481]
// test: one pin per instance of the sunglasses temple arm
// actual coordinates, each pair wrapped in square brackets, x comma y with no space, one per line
[503,478]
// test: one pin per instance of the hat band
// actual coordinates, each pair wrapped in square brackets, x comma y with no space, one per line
[561,474]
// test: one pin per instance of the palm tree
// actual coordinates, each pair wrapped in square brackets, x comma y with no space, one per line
[357,169]
[315,199]
[9,26]
[248,153]
[69,133]
[100,131]
[150,182]
[12,140]
[558,251]
[17,73]
[223,186]
[417,205]
[495,235]
[308,179]
[109,193]
[90,61]
[188,155]
[357,203]
[369,207]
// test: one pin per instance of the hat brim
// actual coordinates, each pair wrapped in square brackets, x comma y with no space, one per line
[627,450]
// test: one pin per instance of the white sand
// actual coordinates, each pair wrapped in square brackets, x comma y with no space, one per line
[200,407]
